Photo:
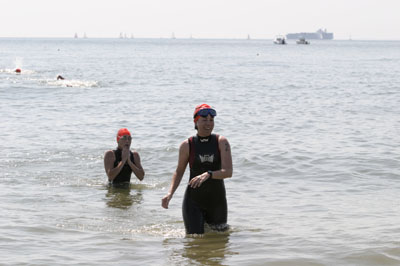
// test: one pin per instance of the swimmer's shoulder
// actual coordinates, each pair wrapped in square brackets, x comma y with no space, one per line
[109,154]
[184,147]
[221,139]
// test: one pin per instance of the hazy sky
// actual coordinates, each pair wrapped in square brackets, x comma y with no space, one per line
[360,19]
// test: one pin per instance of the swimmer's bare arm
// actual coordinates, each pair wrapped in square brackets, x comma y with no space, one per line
[226,160]
[226,165]
[178,174]
[136,167]
[109,159]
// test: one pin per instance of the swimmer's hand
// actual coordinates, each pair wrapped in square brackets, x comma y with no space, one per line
[198,180]
[165,201]
[125,155]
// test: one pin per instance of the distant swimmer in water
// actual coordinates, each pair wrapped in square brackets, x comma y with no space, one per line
[18,70]
[60,77]
[121,162]
[210,161]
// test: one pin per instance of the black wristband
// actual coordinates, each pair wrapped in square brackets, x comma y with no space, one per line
[210,173]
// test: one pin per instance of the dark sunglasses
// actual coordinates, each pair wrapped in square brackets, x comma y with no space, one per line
[206,112]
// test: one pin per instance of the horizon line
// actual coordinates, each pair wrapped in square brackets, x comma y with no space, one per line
[188,38]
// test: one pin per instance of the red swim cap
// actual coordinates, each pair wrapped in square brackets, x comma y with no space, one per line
[198,108]
[18,70]
[122,132]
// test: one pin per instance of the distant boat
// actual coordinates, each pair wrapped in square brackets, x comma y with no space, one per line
[302,41]
[318,35]
[280,40]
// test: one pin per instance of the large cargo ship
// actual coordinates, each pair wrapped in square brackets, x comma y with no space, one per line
[318,35]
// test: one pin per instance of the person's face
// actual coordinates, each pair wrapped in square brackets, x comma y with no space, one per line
[125,142]
[205,125]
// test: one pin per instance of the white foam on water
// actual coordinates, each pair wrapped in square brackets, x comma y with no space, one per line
[72,83]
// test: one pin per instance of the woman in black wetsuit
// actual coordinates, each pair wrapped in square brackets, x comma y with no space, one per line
[210,161]
[120,163]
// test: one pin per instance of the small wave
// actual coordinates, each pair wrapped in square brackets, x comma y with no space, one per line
[104,185]
[165,230]
[383,59]
[71,83]
[375,257]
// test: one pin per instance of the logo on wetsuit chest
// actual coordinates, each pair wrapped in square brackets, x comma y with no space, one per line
[206,158]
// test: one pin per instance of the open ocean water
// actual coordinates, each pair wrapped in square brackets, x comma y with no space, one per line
[314,132]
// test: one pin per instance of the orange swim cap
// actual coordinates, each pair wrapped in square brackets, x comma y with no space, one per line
[122,132]
[198,108]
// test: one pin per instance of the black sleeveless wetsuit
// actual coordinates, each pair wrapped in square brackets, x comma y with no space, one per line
[126,171]
[207,203]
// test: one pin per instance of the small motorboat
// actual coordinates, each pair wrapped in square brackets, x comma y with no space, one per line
[302,41]
[280,40]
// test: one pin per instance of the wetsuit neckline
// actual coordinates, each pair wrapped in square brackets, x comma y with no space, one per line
[204,139]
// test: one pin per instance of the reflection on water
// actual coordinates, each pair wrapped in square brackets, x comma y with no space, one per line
[209,249]
[119,196]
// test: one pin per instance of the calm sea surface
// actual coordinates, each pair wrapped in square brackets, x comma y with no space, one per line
[314,131]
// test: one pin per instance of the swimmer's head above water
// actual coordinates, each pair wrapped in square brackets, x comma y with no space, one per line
[203,110]
[18,70]
[124,138]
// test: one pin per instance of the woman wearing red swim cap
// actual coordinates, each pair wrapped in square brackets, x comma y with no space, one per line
[120,163]
[210,161]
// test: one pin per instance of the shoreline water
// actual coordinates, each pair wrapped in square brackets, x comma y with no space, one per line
[313,132]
